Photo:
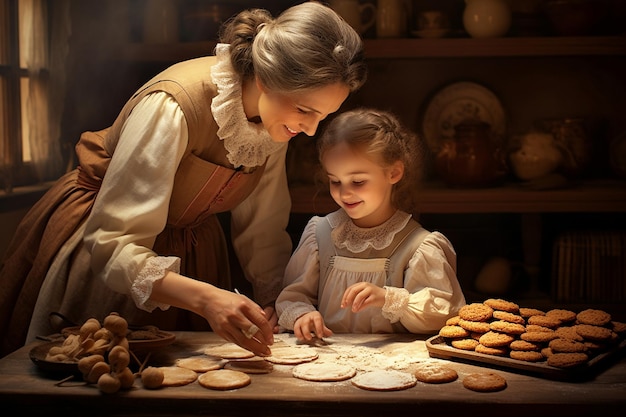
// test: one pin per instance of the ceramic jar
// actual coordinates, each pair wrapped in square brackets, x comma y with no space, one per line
[470,159]
[391,19]
[486,18]
[534,155]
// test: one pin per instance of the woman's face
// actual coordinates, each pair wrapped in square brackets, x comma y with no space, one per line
[361,186]
[286,115]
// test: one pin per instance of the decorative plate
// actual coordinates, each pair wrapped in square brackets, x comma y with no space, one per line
[457,102]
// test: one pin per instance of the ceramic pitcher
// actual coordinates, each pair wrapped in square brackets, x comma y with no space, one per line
[486,18]
[391,19]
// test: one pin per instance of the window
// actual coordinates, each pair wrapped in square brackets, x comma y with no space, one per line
[30,94]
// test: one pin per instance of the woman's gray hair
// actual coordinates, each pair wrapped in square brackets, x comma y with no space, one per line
[306,47]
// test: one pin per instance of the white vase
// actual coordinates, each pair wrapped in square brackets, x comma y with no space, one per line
[487,18]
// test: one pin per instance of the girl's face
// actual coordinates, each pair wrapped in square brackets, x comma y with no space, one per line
[360,186]
[286,115]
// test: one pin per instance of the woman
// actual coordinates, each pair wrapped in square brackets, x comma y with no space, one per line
[134,229]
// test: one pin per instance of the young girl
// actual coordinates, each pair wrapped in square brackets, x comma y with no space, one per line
[369,267]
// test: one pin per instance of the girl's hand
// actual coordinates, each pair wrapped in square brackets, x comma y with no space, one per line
[363,295]
[311,323]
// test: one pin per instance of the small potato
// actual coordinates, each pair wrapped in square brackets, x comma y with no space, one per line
[119,358]
[109,384]
[97,371]
[116,324]
[127,378]
[152,377]
[87,362]
[88,328]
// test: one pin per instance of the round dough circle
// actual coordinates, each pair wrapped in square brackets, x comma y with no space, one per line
[224,379]
[228,351]
[384,380]
[199,363]
[250,366]
[291,355]
[323,371]
[175,376]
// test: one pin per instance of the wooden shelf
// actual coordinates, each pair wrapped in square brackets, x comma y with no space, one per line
[590,196]
[409,48]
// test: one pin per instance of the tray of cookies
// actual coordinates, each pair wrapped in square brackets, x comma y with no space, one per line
[557,343]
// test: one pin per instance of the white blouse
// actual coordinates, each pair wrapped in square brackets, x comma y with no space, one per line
[124,223]
[429,296]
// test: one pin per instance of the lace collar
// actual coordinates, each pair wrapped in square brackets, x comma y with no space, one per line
[346,234]
[248,144]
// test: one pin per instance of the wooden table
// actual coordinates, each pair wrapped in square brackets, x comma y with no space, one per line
[25,388]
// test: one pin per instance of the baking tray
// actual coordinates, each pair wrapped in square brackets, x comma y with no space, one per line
[438,348]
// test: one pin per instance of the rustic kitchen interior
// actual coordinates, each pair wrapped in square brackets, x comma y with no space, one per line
[551,84]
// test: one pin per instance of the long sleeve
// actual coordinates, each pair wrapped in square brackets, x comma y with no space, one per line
[259,235]
[132,205]
[431,292]
[300,285]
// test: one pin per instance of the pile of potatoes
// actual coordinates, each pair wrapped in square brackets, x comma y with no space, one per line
[102,352]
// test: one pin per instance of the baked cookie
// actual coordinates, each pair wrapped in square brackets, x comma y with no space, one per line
[495,339]
[594,333]
[510,317]
[495,351]
[474,326]
[559,345]
[452,321]
[507,327]
[537,328]
[593,317]
[502,305]
[527,312]
[434,373]
[525,346]
[564,316]
[465,343]
[526,355]
[618,327]
[546,352]
[538,337]
[484,382]
[453,332]
[476,312]
[544,321]
[567,360]
[569,332]
[224,379]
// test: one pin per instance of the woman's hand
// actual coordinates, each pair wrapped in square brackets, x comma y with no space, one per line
[363,295]
[233,316]
[309,323]
[238,319]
